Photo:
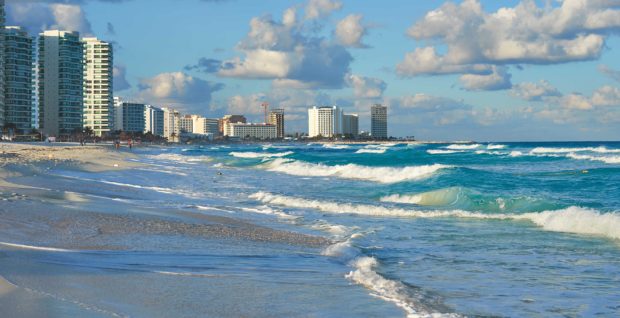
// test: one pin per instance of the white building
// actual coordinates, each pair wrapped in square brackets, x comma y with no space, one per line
[98,99]
[350,125]
[172,124]
[60,82]
[154,120]
[251,131]
[324,121]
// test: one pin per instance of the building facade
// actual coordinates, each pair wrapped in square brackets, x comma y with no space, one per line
[251,131]
[60,82]
[2,24]
[350,125]
[134,120]
[378,122]
[227,119]
[153,120]
[276,118]
[324,121]
[172,120]
[186,124]
[98,97]
[18,71]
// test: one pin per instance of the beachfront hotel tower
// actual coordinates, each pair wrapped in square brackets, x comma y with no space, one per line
[350,125]
[18,71]
[2,23]
[276,118]
[60,82]
[325,121]
[98,98]
[378,122]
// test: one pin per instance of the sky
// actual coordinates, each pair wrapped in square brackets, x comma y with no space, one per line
[447,70]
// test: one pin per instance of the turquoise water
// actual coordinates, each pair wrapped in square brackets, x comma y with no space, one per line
[502,229]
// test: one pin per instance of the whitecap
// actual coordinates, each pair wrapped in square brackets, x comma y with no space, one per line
[567,150]
[605,159]
[495,147]
[372,150]
[442,152]
[573,219]
[335,146]
[353,171]
[252,155]
[463,146]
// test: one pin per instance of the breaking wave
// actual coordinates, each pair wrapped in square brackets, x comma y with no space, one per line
[335,146]
[495,147]
[180,158]
[608,159]
[567,150]
[390,290]
[353,171]
[463,146]
[372,150]
[573,219]
[252,155]
[442,152]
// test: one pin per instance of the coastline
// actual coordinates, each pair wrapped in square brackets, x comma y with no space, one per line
[45,216]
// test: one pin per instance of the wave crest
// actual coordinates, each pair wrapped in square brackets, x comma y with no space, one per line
[463,146]
[253,155]
[353,171]
[573,219]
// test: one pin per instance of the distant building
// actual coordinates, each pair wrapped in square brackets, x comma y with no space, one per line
[227,119]
[210,126]
[18,71]
[251,131]
[276,118]
[350,125]
[186,124]
[2,79]
[98,97]
[60,80]
[324,121]
[133,118]
[172,124]
[378,122]
[153,120]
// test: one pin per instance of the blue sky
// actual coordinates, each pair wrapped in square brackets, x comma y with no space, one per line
[466,70]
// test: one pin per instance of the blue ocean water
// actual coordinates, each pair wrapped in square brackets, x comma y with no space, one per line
[418,230]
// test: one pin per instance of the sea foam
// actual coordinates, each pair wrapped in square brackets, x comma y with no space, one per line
[372,150]
[353,171]
[251,155]
[573,219]
[390,290]
[463,146]
[442,151]
[605,159]
[580,149]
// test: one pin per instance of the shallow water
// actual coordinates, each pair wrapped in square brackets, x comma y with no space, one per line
[510,229]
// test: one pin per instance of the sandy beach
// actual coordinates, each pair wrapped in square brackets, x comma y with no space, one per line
[45,216]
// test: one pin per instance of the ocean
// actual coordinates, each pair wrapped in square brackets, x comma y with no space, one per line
[410,230]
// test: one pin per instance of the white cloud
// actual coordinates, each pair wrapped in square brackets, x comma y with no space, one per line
[534,91]
[350,30]
[606,96]
[37,17]
[475,40]
[498,79]
[177,89]
[367,87]
[319,8]
[288,53]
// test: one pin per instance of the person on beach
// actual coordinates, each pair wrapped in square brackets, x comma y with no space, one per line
[129,143]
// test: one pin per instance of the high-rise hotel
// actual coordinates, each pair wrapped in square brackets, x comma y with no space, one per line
[98,98]
[378,122]
[18,71]
[2,23]
[60,80]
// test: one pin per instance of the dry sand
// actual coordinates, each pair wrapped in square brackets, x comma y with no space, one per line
[92,158]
